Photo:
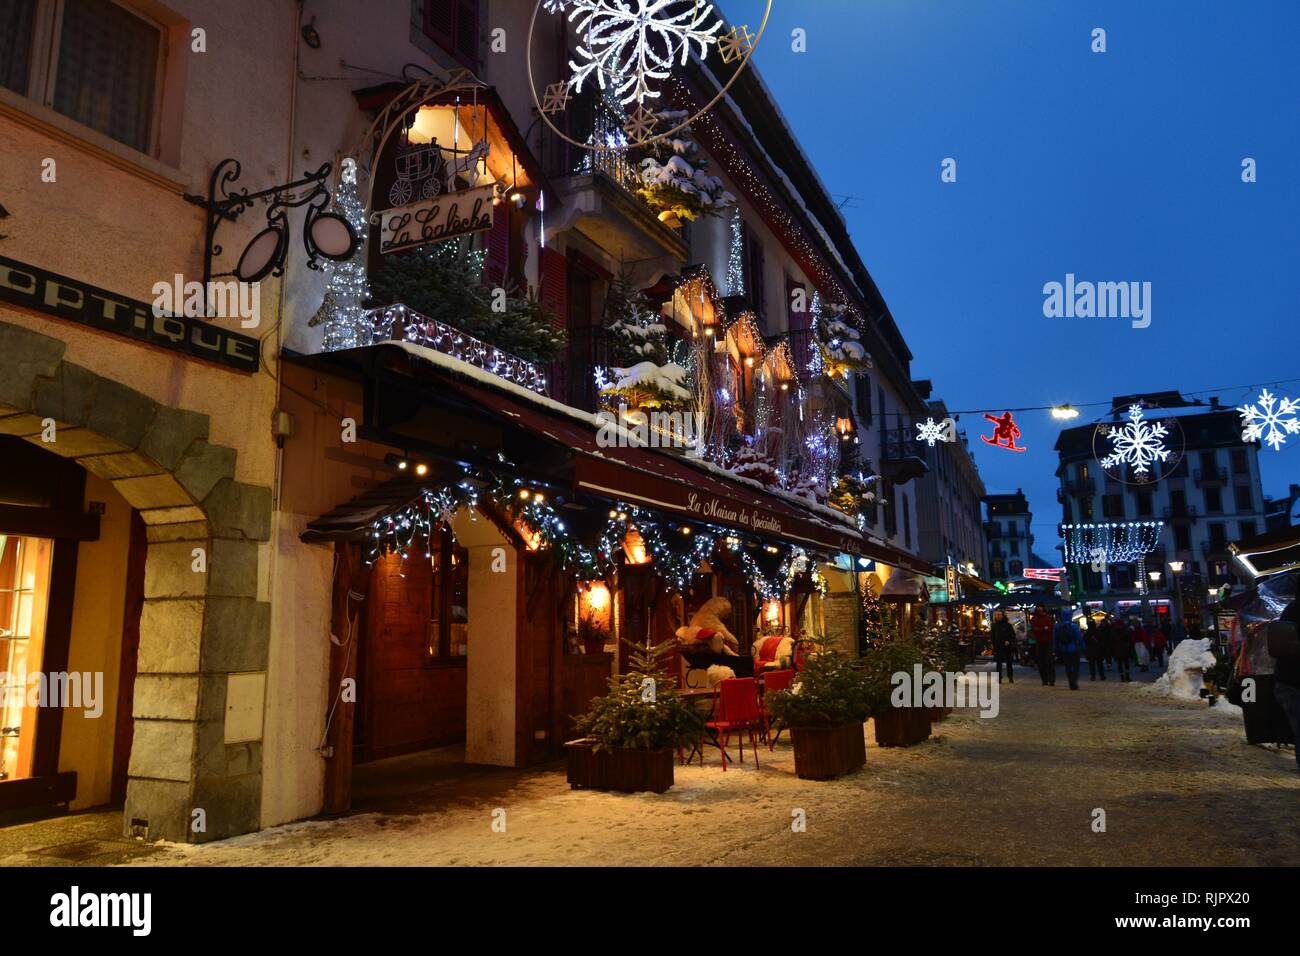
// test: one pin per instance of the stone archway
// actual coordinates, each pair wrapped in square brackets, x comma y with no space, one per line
[204,635]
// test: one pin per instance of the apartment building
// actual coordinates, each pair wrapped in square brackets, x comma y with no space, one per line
[1008,529]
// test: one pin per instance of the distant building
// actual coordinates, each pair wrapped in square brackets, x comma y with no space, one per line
[949,526]
[1010,540]
[1283,512]
[1210,497]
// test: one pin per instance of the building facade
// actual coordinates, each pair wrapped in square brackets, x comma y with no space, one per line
[952,530]
[1008,528]
[1207,494]
[211,508]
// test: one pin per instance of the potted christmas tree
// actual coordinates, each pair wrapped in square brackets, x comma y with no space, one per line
[630,734]
[895,726]
[825,709]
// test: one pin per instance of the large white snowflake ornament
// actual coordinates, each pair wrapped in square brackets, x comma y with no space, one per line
[628,43]
[1270,420]
[930,431]
[1138,443]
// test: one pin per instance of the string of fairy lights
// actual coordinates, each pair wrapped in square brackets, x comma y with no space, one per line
[677,550]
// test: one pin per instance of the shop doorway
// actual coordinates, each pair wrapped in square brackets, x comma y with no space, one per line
[72,555]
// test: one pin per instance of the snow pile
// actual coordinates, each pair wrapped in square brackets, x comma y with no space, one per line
[1187,665]
[753,464]
[668,380]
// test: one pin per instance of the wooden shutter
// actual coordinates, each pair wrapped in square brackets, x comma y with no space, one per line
[440,21]
[555,285]
[497,263]
[467,31]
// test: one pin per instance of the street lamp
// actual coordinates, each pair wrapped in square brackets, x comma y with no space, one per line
[1176,567]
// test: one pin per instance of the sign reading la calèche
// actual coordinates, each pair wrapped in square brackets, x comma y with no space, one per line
[89,305]
[434,220]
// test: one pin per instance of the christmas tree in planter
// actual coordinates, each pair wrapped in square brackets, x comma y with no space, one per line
[838,340]
[674,178]
[635,332]
[443,281]
[341,313]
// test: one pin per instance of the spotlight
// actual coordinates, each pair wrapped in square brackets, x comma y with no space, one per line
[422,469]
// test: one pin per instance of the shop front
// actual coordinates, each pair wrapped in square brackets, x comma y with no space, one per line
[490,575]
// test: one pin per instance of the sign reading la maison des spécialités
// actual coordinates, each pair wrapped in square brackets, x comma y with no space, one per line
[64,298]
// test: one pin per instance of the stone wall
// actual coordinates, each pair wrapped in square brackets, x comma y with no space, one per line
[201,621]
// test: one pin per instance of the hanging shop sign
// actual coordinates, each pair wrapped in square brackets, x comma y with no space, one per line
[44,291]
[950,581]
[435,220]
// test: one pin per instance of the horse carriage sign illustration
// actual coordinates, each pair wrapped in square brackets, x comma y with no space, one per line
[442,212]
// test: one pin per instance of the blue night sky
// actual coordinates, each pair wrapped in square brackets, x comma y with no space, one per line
[1121,166]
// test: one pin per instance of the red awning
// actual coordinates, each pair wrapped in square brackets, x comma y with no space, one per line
[651,478]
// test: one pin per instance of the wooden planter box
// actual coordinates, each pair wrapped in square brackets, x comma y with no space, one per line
[824,753]
[625,771]
[902,726]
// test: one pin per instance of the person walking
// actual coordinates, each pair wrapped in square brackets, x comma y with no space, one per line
[1069,641]
[1042,626]
[1160,641]
[1286,681]
[1141,644]
[1107,635]
[1123,651]
[1092,638]
[1004,645]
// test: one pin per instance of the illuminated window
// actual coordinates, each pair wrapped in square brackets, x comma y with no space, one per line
[24,596]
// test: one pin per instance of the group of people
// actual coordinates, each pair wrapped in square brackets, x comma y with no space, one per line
[1105,643]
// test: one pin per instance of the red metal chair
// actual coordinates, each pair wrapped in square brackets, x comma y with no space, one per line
[773,682]
[737,713]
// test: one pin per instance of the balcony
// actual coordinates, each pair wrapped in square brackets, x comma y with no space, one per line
[571,379]
[1086,487]
[1181,513]
[1214,548]
[596,188]
[900,458]
[1211,476]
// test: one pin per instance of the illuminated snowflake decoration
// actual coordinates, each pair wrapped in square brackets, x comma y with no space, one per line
[736,45]
[630,42]
[1139,443]
[930,431]
[1270,420]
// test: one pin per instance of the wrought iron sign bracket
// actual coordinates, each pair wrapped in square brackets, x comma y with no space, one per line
[325,234]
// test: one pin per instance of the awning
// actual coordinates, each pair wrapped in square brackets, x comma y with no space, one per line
[652,478]
[905,587]
[1268,553]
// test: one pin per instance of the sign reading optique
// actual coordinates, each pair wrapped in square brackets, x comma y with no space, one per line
[65,298]
[434,220]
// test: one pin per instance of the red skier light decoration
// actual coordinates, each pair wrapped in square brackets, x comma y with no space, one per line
[1045,574]
[1005,432]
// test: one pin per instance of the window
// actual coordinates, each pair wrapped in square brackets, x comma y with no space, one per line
[1085,509]
[24,596]
[1112,506]
[1122,577]
[1243,498]
[862,388]
[1245,529]
[102,69]
[1207,464]
[1180,470]
[1218,537]
[1017,569]
[1182,537]
[1213,500]
[1239,466]
[1144,503]
[907,524]
[453,25]
[449,611]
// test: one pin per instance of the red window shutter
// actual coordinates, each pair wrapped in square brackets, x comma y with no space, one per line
[467,31]
[497,263]
[555,285]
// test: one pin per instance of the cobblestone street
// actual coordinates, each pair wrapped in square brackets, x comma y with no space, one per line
[1019,789]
